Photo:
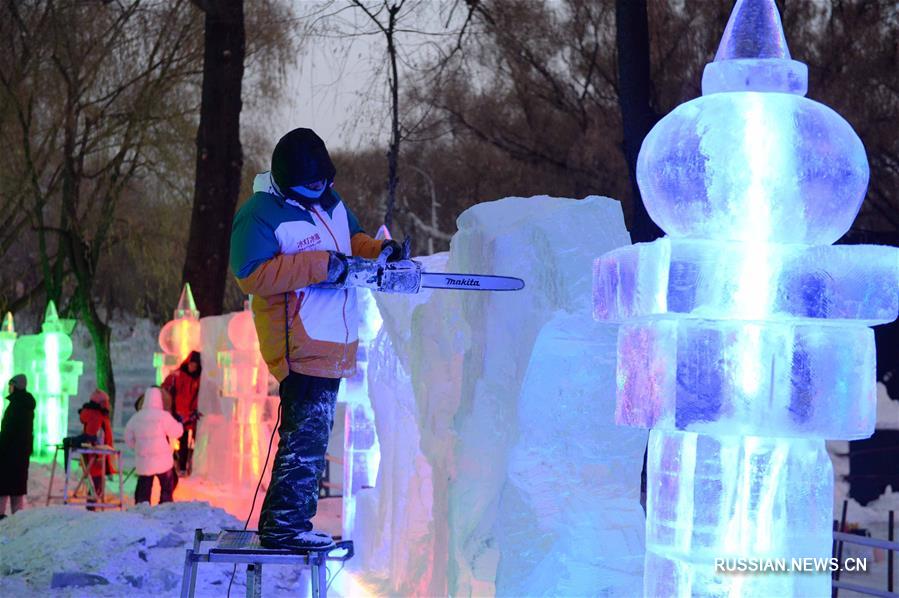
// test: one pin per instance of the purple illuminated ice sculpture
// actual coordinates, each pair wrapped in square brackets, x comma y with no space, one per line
[744,340]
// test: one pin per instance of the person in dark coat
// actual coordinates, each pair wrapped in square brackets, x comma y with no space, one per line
[184,387]
[16,440]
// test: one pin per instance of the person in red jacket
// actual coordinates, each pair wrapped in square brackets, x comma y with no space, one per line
[94,416]
[184,387]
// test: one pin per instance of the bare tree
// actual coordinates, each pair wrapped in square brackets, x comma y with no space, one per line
[385,17]
[111,80]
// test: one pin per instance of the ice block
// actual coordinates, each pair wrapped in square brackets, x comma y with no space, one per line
[747,378]
[745,281]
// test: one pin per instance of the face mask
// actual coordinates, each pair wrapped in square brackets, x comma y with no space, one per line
[307,192]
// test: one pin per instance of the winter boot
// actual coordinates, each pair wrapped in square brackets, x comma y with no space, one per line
[311,540]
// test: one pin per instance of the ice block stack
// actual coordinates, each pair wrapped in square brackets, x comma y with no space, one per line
[744,340]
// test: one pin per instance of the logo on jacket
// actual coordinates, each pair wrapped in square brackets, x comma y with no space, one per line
[310,241]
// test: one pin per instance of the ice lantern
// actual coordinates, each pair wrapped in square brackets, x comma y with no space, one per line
[7,343]
[52,377]
[178,337]
[744,341]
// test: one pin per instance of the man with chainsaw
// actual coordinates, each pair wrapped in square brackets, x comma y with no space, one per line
[298,250]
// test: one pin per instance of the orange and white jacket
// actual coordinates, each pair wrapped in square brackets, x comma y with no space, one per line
[278,249]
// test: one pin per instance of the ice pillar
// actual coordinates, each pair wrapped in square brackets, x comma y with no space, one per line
[179,336]
[744,341]
[52,377]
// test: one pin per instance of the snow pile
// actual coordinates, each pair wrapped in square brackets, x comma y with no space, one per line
[135,552]
[876,513]
[139,552]
[501,469]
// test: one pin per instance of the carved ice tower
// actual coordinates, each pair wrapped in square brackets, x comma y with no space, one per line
[744,340]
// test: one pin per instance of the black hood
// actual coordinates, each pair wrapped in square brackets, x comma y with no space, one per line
[22,396]
[194,356]
[301,158]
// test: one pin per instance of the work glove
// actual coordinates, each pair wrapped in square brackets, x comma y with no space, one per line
[336,267]
[400,276]
[395,251]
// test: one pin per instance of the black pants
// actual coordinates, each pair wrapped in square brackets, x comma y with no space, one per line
[184,453]
[307,415]
[145,487]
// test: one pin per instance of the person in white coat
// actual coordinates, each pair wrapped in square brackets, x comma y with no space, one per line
[150,432]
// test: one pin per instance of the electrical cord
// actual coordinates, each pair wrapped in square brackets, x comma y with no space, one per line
[268,454]
[333,577]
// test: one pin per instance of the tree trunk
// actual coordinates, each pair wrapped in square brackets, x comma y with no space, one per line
[219,155]
[393,154]
[101,335]
[635,100]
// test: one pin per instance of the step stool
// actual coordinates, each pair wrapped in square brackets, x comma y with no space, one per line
[242,546]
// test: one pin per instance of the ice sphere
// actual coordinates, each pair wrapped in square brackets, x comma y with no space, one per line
[752,166]
[747,378]
[735,497]
[745,281]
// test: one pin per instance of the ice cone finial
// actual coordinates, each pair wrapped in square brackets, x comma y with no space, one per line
[383,233]
[753,54]
[50,315]
[8,323]
[754,30]
[187,308]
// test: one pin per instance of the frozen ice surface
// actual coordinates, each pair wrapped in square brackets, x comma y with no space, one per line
[735,497]
[751,166]
[569,520]
[747,281]
[447,383]
[721,377]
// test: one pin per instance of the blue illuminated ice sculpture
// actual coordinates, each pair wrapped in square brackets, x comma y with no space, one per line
[744,340]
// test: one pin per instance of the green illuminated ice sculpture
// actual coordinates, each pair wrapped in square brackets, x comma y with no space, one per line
[52,377]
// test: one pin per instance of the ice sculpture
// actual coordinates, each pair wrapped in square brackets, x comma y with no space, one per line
[245,384]
[744,340]
[361,450]
[179,336]
[52,377]
[502,472]
[7,343]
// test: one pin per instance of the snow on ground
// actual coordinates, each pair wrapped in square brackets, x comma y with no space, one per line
[139,551]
